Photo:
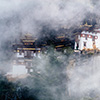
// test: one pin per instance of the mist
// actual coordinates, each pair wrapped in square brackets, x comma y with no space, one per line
[57,76]
[18,16]
[54,75]
[29,16]
[84,78]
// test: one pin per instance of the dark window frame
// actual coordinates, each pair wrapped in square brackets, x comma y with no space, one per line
[84,44]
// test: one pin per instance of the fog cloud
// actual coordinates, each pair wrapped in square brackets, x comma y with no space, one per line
[29,15]
[22,16]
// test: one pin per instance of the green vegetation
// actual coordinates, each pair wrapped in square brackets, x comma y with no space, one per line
[13,91]
[48,81]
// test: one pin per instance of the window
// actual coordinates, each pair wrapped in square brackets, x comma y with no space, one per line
[86,37]
[77,46]
[84,44]
[31,43]
[24,43]
[93,38]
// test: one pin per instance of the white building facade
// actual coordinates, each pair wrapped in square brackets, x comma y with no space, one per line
[88,40]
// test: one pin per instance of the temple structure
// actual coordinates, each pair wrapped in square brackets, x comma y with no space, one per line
[24,52]
[88,40]
[27,47]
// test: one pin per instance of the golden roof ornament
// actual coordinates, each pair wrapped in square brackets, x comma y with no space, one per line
[86,25]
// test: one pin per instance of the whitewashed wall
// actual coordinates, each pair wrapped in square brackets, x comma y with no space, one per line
[89,41]
[97,41]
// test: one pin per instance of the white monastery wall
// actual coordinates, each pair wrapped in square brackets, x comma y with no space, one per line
[87,40]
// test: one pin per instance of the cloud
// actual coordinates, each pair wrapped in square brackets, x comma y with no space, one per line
[30,15]
[22,16]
